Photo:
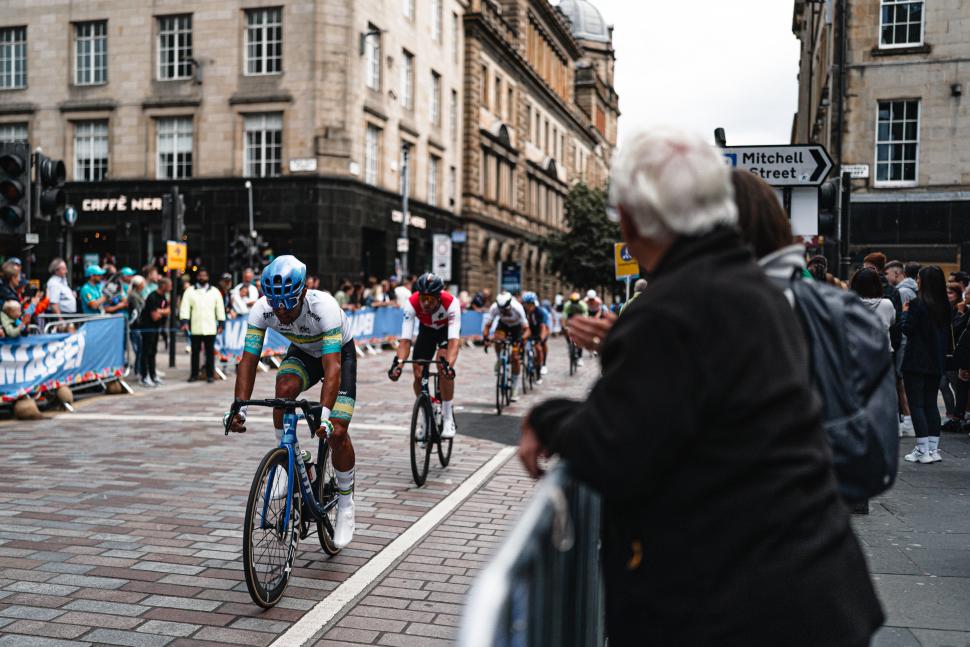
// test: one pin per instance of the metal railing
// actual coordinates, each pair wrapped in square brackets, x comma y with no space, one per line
[544,586]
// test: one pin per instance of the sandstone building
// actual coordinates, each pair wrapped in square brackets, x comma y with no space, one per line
[319,104]
[881,86]
[540,115]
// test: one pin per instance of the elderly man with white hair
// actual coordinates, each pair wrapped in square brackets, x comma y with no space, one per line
[721,523]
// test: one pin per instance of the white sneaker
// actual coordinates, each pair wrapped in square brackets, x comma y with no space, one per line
[543,371]
[935,456]
[918,456]
[579,362]
[147,382]
[343,532]
[906,429]
[159,381]
[449,430]
[280,484]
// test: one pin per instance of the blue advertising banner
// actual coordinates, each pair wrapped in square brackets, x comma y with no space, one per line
[367,324]
[40,363]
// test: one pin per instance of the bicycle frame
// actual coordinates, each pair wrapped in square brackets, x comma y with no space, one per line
[290,442]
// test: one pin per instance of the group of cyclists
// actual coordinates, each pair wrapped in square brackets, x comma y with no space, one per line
[322,348]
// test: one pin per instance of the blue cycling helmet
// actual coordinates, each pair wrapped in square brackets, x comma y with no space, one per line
[530,297]
[283,281]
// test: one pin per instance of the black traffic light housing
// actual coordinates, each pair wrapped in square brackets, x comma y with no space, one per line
[14,186]
[51,175]
[829,206]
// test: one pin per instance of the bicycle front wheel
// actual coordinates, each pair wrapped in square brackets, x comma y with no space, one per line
[326,492]
[269,539]
[500,388]
[422,428]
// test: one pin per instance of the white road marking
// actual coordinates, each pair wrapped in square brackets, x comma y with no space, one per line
[340,597]
[214,420]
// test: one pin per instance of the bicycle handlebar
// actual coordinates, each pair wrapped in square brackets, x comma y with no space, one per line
[448,370]
[312,411]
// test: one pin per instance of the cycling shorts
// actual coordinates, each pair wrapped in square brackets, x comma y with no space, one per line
[429,340]
[511,333]
[310,371]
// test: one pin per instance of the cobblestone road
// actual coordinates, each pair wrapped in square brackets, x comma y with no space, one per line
[121,523]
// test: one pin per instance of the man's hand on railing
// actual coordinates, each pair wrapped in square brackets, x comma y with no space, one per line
[531,450]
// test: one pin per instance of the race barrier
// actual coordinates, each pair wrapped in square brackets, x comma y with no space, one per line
[545,585]
[39,363]
[369,325]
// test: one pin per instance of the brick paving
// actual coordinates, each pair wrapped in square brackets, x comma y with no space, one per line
[127,531]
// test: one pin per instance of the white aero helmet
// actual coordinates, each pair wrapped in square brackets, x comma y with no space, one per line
[504,300]
[591,294]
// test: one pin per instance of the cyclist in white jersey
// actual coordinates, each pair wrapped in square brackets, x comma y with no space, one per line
[506,321]
[321,348]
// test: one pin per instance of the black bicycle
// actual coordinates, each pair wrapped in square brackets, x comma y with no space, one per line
[282,502]
[573,356]
[427,421]
[503,374]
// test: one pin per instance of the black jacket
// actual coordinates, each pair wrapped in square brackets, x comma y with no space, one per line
[926,342]
[153,302]
[721,525]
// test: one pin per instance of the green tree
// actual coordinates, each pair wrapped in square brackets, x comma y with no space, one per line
[583,254]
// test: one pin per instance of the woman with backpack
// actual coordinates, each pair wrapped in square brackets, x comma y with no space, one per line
[926,322]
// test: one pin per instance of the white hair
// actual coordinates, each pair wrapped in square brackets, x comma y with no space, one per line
[672,183]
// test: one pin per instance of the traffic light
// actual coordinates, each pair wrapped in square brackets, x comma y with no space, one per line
[51,175]
[239,253]
[829,206]
[264,253]
[14,185]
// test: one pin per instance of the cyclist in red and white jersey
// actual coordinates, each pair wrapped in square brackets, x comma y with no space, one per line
[432,320]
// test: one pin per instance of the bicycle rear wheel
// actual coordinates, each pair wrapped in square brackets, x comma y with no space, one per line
[269,540]
[422,426]
[326,492]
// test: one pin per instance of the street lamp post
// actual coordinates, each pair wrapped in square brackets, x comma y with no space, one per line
[405,153]
[249,188]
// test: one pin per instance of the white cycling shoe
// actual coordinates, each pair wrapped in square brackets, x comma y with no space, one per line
[343,531]
[449,429]
[280,484]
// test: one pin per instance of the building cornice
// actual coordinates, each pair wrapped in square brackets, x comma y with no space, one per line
[24,108]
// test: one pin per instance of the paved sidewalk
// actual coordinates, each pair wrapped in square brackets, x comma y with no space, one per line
[420,601]
[917,540]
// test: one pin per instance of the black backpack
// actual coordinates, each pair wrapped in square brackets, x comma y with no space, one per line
[853,373]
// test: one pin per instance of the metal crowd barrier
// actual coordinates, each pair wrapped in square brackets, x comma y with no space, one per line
[544,586]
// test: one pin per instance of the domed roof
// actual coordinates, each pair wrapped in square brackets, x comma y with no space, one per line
[587,21]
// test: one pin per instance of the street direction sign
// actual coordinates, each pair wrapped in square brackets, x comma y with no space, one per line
[782,166]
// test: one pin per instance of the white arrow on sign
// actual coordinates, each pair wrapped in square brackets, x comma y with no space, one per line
[782,165]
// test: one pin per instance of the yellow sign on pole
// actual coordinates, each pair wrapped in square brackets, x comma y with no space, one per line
[178,255]
[626,265]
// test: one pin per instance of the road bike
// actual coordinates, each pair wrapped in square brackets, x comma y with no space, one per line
[573,355]
[530,371]
[503,375]
[278,513]
[427,422]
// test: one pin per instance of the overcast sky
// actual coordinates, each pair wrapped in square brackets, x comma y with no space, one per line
[699,65]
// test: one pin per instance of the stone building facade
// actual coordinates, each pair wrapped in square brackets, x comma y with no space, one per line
[310,100]
[894,110]
[540,115]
